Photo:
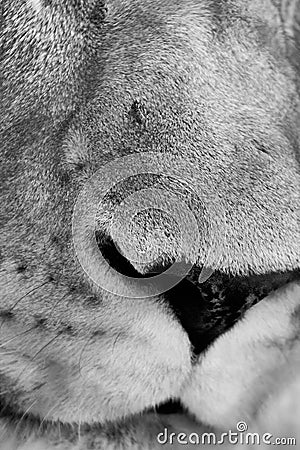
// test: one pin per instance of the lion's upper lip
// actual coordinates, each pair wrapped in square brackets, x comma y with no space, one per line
[205,310]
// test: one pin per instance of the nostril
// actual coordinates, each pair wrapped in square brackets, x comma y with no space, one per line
[170,407]
[119,262]
[114,258]
[199,313]
[193,312]
[185,299]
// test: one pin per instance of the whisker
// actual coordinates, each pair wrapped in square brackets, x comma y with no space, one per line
[56,303]
[46,415]
[45,346]
[24,296]
[39,386]
[5,392]
[59,431]
[81,353]
[79,428]
[28,293]
[8,351]
[17,335]
[27,331]
[35,355]
[35,326]
[116,340]
[23,415]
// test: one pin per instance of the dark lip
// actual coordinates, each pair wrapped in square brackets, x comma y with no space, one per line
[209,309]
[205,310]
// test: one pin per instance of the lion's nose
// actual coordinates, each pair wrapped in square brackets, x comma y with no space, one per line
[184,299]
[151,242]
[118,261]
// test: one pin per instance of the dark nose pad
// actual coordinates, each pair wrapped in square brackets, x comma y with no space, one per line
[191,304]
[194,312]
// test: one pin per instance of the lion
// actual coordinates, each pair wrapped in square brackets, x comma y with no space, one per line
[132,324]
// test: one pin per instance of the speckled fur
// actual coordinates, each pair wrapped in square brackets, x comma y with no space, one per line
[83,82]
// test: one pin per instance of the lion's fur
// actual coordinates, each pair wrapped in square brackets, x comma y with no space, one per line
[214,82]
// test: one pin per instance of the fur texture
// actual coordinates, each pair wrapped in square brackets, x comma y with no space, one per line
[83,83]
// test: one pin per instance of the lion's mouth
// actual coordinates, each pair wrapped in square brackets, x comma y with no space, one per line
[205,310]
